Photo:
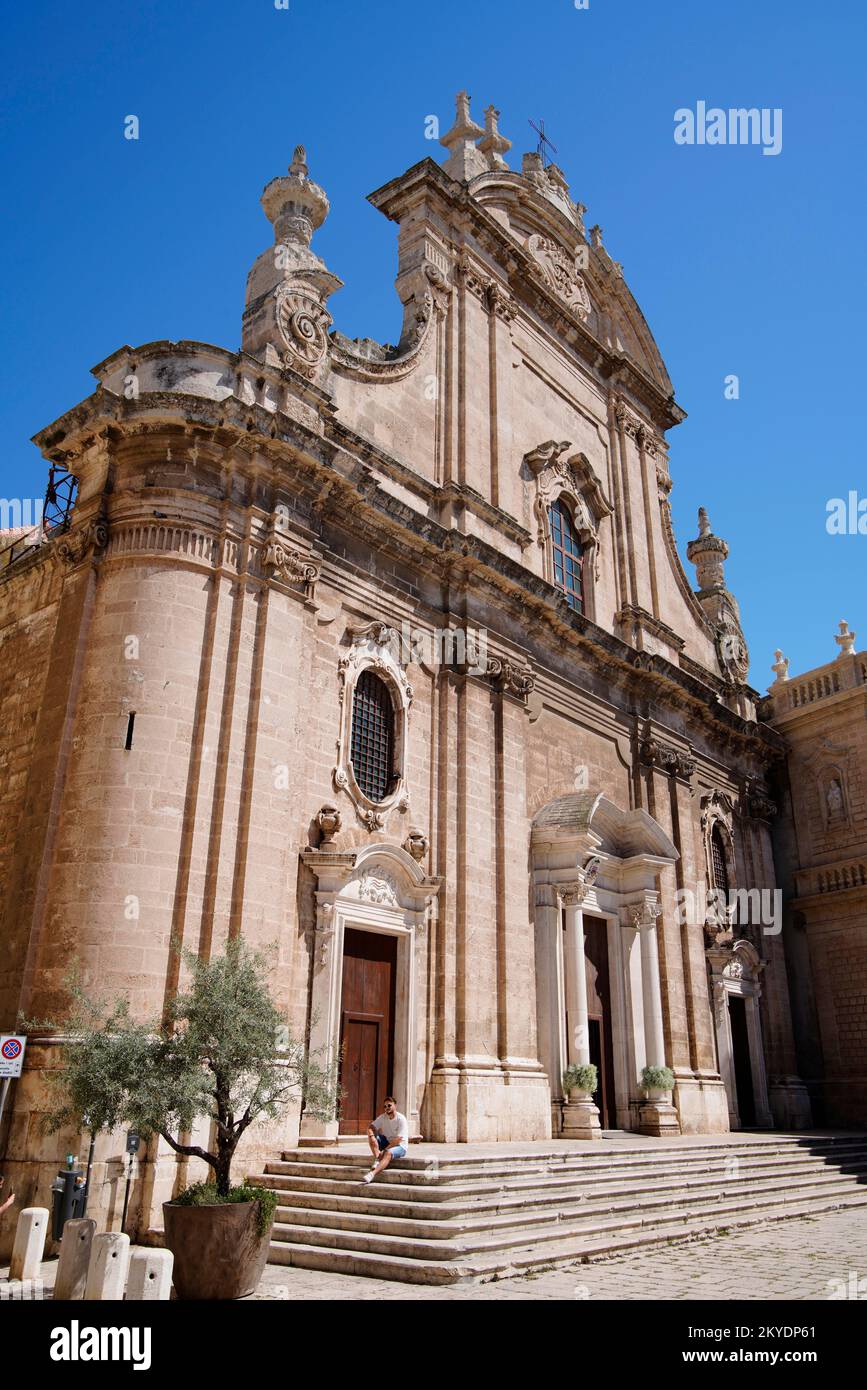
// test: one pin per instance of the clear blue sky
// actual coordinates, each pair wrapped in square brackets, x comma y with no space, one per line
[742,263]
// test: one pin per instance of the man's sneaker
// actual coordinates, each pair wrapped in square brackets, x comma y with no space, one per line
[368,1177]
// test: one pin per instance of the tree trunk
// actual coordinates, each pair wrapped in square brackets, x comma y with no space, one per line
[225,1154]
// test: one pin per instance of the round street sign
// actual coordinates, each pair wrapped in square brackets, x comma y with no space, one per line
[11,1049]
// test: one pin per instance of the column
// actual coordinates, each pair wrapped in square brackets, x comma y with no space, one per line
[580,1116]
[651,990]
[656,1116]
[578,1033]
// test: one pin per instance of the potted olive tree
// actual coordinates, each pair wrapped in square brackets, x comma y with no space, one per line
[221,1054]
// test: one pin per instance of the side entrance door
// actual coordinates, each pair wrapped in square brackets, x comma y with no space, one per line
[367,1026]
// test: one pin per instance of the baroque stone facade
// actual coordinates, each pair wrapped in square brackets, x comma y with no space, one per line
[254,534]
[821,851]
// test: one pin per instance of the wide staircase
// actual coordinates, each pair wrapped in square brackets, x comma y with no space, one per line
[443,1217]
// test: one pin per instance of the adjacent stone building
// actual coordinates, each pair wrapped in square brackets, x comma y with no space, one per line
[386,655]
[821,851]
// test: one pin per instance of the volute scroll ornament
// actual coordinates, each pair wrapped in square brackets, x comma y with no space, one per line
[82,541]
[303,323]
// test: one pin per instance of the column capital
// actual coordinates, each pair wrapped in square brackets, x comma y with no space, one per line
[642,914]
[572,894]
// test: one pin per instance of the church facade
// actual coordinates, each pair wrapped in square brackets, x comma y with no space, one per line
[386,656]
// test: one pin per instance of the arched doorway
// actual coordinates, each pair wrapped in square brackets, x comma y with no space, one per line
[735,970]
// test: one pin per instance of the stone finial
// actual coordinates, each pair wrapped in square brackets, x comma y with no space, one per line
[846,640]
[465,161]
[494,145]
[780,667]
[285,319]
[294,204]
[416,844]
[328,820]
[596,237]
[708,553]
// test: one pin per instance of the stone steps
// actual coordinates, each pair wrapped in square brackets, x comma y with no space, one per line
[395,1185]
[477,1216]
[524,1215]
[493,1235]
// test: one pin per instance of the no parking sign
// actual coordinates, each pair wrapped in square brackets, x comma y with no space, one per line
[12,1047]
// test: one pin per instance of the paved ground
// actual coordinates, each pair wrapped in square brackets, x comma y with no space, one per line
[810,1258]
[817,1257]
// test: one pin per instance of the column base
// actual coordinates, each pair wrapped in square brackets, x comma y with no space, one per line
[789,1100]
[317,1133]
[659,1119]
[581,1120]
[483,1104]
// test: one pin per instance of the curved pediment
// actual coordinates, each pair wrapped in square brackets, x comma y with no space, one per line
[623,834]
[535,209]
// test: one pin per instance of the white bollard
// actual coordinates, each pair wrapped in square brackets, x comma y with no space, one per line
[74,1261]
[150,1275]
[29,1244]
[109,1261]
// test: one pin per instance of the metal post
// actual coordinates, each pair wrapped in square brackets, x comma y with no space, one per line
[88,1172]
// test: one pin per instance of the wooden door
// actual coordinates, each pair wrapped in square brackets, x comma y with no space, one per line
[367,1026]
[599,1017]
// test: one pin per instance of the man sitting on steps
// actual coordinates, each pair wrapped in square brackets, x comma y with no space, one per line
[388,1137]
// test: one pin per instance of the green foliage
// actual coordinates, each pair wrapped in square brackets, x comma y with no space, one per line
[223,1053]
[580,1077]
[205,1194]
[657,1078]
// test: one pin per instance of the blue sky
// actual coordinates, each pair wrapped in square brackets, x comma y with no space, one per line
[742,263]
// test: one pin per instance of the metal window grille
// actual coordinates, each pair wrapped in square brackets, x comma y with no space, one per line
[720,872]
[568,555]
[372,745]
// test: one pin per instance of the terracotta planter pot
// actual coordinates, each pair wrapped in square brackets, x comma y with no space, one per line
[218,1250]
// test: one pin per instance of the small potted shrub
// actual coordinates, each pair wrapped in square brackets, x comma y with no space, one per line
[657,1082]
[221,1054]
[580,1080]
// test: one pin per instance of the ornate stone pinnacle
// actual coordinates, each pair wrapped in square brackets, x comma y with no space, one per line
[846,640]
[465,160]
[294,204]
[708,553]
[780,667]
[596,236]
[494,145]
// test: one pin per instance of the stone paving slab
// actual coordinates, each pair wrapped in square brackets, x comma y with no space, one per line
[809,1258]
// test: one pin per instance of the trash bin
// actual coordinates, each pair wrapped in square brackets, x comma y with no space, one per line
[67,1199]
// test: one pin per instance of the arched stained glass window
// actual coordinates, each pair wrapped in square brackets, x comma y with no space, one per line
[372,743]
[567,554]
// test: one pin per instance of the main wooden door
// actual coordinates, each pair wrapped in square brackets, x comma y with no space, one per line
[366,1026]
[599,1017]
